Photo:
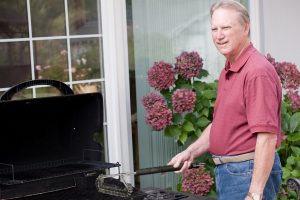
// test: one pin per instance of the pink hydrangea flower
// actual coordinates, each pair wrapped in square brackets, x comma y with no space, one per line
[197,181]
[188,65]
[295,99]
[159,116]
[183,100]
[288,73]
[150,99]
[161,76]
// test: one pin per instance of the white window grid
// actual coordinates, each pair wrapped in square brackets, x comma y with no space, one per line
[67,37]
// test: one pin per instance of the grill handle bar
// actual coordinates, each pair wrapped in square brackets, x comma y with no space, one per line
[62,87]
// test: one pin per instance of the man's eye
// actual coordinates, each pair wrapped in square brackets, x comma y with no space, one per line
[214,29]
[226,27]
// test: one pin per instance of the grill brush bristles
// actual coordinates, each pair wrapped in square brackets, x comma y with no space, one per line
[106,184]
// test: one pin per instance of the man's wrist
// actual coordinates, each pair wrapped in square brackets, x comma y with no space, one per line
[190,152]
[255,196]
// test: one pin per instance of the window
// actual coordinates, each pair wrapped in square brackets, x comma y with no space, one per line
[58,39]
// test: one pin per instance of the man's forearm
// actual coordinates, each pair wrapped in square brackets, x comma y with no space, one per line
[201,145]
[263,161]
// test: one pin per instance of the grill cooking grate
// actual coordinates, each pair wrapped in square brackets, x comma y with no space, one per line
[22,174]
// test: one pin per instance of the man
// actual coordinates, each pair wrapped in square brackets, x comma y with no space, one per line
[245,130]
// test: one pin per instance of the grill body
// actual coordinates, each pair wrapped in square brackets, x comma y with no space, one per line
[51,144]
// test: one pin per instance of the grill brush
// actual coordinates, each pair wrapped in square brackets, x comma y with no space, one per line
[107,184]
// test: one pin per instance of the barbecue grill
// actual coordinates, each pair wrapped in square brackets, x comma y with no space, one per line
[50,143]
[50,149]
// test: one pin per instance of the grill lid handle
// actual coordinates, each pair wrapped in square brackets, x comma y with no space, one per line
[62,87]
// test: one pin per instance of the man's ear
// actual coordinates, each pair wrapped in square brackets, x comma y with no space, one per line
[247,29]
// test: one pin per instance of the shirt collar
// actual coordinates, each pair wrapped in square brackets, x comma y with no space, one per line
[241,60]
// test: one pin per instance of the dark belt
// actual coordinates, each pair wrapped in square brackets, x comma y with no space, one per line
[218,160]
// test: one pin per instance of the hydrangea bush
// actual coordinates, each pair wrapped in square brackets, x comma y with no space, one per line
[289,150]
[181,104]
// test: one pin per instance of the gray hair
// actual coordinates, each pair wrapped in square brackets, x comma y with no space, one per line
[231,4]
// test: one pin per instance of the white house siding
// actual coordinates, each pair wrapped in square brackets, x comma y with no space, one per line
[280,28]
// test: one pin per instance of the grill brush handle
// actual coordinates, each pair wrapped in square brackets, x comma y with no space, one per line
[161,169]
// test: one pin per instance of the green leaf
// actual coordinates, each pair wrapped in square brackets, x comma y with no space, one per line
[210,94]
[205,102]
[297,166]
[177,118]
[289,167]
[198,132]
[296,150]
[284,106]
[183,137]
[199,106]
[282,197]
[294,121]
[190,117]
[291,160]
[286,173]
[172,131]
[188,126]
[179,186]
[202,122]
[212,104]
[184,86]
[203,73]
[296,173]
[213,85]
[199,86]
[285,122]
[294,137]
[167,94]
[182,81]
[205,112]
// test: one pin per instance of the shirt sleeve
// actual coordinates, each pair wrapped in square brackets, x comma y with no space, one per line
[262,105]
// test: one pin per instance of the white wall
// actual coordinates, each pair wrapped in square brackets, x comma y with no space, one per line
[280,26]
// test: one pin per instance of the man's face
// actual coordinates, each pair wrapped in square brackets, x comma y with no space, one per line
[228,34]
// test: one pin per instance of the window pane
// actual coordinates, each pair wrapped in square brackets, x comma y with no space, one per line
[83,17]
[23,94]
[87,88]
[47,91]
[13,19]
[48,18]
[51,60]
[14,63]
[86,59]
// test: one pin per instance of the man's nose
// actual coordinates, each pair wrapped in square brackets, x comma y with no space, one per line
[220,34]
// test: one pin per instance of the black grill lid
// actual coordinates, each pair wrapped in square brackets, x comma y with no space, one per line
[50,132]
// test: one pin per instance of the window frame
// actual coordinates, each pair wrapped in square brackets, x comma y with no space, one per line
[118,115]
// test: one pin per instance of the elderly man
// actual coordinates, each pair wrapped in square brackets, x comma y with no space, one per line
[246,126]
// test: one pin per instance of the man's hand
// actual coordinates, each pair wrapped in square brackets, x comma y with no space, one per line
[184,157]
[200,146]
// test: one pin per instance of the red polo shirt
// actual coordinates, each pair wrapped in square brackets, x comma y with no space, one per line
[248,102]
